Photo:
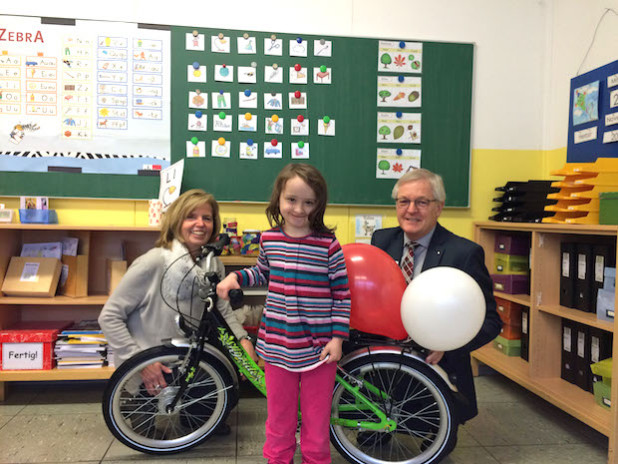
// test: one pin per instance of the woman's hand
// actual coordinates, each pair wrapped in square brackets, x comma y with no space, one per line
[333,350]
[227,284]
[153,378]
[248,346]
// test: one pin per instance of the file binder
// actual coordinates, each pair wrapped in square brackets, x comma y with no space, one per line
[567,274]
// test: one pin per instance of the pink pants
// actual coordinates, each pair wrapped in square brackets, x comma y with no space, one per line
[283,388]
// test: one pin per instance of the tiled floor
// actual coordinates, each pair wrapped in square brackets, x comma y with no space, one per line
[56,422]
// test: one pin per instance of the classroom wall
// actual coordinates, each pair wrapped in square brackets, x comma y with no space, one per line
[576,47]
[526,51]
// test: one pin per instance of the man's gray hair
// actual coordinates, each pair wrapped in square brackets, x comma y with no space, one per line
[435,180]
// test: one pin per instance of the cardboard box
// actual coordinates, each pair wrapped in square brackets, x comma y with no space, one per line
[509,312]
[27,349]
[115,272]
[74,276]
[511,331]
[512,244]
[511,264]
[511,283]
[32,277]
[508,347]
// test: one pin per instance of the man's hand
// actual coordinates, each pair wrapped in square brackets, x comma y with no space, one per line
[153,378]
[434,357]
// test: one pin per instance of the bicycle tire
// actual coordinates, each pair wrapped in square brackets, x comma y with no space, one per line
[418,399]
[140,421]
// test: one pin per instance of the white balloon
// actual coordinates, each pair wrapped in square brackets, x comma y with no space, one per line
[443,308]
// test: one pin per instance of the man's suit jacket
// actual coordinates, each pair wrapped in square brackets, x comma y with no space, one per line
[448,249]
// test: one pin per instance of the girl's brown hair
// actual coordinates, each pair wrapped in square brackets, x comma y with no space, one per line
[178,211]
[314,179]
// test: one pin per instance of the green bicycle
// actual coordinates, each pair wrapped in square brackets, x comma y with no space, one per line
[388,406]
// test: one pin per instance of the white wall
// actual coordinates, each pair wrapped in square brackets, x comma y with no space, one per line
[573,27]
[510,38]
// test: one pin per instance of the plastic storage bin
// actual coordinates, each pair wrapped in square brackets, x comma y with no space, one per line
[38,216]
[608,208]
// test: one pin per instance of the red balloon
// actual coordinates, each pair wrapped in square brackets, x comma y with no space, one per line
[377,286]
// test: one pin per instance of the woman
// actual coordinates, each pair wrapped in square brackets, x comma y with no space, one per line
[136,317]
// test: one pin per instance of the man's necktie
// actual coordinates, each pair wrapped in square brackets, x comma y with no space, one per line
[407,262]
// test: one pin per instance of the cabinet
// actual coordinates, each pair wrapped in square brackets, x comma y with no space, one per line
[541,374]
[99,244]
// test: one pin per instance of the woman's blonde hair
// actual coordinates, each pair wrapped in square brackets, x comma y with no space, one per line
[178,211]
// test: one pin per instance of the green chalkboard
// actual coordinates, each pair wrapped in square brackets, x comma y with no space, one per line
[348,160]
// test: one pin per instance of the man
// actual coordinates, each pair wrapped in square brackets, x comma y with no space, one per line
[419,197]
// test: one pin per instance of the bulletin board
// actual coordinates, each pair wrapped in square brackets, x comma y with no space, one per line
[348,159]
[593,115]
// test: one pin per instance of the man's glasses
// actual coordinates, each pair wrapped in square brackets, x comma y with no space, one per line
[419,203]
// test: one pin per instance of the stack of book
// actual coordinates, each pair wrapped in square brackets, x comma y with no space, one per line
[82,345]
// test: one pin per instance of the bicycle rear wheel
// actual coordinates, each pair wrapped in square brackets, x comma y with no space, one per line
[413,395]
[142,422]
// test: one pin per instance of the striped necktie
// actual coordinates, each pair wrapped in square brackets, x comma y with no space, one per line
[407,262]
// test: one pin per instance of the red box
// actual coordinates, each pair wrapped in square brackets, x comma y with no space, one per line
[27,349]
[511,332]
[509,312]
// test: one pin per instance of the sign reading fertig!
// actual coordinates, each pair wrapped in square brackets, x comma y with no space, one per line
[22,356]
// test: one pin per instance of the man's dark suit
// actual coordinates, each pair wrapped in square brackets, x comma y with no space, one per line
[448,249]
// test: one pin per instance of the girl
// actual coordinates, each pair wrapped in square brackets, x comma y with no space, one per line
[306,317]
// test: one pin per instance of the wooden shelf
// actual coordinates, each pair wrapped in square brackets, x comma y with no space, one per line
[576,229]
[91,300]
[568,397]
[578,316]
[254,291]
[61,227]
[235,260]
[99,373]
[521,299]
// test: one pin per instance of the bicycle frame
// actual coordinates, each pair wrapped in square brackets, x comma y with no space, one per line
[230,346]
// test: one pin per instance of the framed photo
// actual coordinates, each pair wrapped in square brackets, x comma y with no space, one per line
[6,215]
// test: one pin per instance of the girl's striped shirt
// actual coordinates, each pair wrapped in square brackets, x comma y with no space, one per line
[308,299]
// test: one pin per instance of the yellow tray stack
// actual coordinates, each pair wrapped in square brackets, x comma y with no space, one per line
[605,179]
[571,208]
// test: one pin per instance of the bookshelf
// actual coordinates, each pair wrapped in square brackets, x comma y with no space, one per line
[100,243]
[541,374]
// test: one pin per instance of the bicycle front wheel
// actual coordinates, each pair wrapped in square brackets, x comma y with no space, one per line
[146,423]
[409,392]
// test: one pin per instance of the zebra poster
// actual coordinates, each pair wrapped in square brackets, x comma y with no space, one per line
[83,96]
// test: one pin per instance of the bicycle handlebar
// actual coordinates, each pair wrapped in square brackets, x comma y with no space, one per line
[216,247]
[236,298]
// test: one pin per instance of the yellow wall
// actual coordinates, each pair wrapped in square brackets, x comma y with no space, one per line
[490,169]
